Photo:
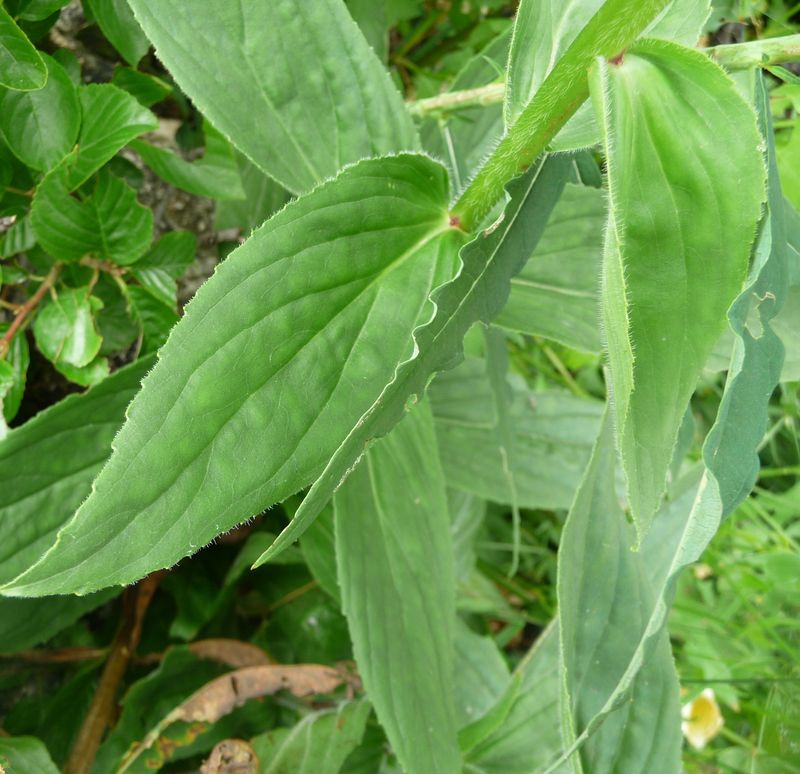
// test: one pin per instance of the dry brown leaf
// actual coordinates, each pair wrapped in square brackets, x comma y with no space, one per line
[234,653]
[231,756]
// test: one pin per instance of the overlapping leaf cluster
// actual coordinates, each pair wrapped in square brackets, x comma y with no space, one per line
[320,369]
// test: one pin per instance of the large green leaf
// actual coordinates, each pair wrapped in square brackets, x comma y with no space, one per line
[477,292]
[108,222]
[215,175]
[544,30]
[553,434]
[275,360]
[21,65]
[670,271]
[689,520]
[40,127]
[556,294]
[317,744]
[391,520]
[16,367]
[241,64]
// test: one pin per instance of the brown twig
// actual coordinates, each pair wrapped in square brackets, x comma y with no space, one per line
[57,656]
[134,606]
[27,308]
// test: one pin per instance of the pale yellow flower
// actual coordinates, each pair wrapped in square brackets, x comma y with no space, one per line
[702,719]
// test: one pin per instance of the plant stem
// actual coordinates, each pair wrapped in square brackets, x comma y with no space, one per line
[457,100]
[740,56]
[27,308]
[135,603]
[614,27]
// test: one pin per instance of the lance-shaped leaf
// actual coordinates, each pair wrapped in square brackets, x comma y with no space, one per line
[556,295]
[677,243]
[391,520]
[605,603]
[292,84]
[21,66]
[477,292]
[687,523]
[277,357]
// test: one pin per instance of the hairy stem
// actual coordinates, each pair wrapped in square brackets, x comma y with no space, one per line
[612,29]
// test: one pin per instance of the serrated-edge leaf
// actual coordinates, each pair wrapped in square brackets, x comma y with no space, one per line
[683,534]
[392,518]
[476,293]
[419,258]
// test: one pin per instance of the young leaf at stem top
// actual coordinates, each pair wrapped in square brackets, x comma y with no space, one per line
[678,240]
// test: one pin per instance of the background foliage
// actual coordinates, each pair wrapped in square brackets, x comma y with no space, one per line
[130,171]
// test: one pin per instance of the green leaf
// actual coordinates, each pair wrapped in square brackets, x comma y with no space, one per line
[111,119]
[87,376]
[263,197]
[17,239]
[25,754]
[25,623]
[65,328]
[544,30]
[33,507]
[527,735]
[36,10]
[215,175]
[108,222]
[689,520]
[155,318]
[317,744]
[477,292]
[481,674]
[392,519]
[165,262]
[40,127]
[669,271]
[605,603]
[148,89]
[21,65]
[200,453]
[556,294]
[16,361]
[319,550]
[240,68]
[552,438]
[118,24]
